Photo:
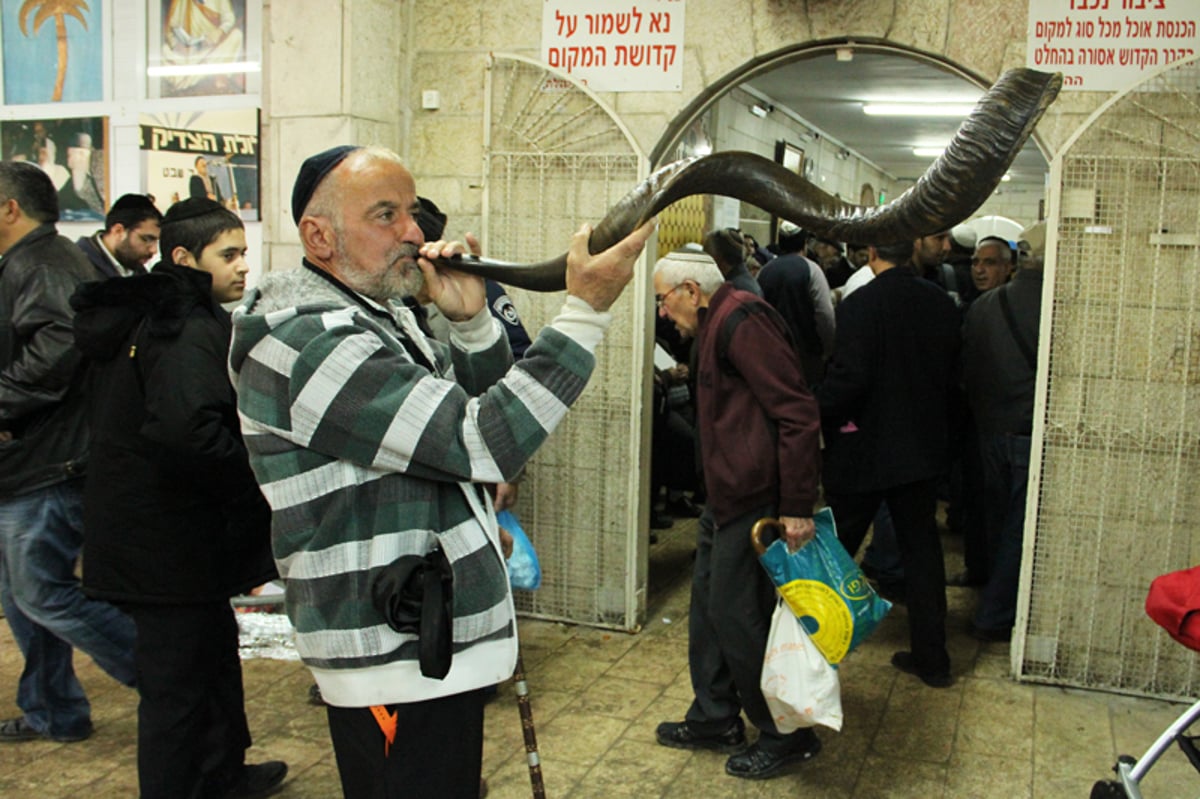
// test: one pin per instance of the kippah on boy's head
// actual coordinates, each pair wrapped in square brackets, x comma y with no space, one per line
[194,224]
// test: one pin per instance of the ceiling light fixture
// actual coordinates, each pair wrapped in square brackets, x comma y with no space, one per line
[761,111]
[918,109]
[928,152]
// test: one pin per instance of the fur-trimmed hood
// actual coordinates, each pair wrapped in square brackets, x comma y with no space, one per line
[106,311]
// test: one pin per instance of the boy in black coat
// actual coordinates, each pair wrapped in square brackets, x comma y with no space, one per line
[175,523]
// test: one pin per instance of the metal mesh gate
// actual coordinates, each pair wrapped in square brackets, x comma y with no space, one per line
[555,158]
[1117,499]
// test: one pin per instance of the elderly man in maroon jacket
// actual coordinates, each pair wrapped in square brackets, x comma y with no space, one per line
[758,429]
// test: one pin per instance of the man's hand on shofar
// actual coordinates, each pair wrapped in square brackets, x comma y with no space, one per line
[456,294]
[599,279]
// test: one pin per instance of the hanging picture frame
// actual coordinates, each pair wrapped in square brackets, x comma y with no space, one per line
[792,158]
[53,51]
[212,154]
[199,48]
[73,152]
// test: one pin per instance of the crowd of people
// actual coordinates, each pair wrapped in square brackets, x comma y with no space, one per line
[355,424]
[883,378]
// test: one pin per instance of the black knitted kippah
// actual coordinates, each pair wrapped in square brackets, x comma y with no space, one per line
[312,172]
[190,208]
[129,202]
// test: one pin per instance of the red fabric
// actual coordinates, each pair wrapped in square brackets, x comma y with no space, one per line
[1174,603]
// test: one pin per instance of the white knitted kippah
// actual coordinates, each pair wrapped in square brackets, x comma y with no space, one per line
[687,257]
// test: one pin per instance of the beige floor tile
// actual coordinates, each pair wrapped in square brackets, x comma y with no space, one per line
[996,718]
[512,780]
[620,698]
[1072,732]
[634,769]
[657,660]
[901,778]
[1051,783]
[579,738]
[920,722]
[973,775]
[570,672]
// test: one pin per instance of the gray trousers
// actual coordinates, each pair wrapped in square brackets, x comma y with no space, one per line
[728,624]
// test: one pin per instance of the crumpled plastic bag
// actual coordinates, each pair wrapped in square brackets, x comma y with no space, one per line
[799,684]
[524,571]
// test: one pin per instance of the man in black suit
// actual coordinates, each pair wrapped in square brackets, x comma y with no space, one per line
[884,408]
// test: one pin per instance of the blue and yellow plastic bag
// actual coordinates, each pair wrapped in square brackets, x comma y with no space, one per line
[823,586]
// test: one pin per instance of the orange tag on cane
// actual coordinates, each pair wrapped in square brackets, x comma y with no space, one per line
[387,723]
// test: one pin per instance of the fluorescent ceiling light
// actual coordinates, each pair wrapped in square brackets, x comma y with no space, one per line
[928,152]
[176,70]
[918,109]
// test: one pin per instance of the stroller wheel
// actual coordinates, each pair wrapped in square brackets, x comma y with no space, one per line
[1108,789]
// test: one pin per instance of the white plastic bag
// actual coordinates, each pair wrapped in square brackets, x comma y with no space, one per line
[800,686]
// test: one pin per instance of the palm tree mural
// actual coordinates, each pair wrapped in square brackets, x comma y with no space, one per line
[59,9]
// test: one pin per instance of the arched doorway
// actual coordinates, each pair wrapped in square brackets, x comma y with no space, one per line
[803,106]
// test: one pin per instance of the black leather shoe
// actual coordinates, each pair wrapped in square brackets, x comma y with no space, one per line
[262,779]
[678,735]
[934,679]
[757,763]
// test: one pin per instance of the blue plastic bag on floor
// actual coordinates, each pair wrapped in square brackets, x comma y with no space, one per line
[524,571]
[823,586]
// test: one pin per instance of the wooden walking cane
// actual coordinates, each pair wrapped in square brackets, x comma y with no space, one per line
[531,747]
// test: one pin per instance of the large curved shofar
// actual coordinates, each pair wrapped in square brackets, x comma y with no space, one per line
[957,184]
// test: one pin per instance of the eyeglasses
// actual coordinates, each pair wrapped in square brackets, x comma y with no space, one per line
[659,299]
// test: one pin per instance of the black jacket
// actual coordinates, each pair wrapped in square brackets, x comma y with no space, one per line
[886,398]
[41,400]
[92,249]
[172,513]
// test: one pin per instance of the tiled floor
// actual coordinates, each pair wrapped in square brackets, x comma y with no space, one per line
[598,695]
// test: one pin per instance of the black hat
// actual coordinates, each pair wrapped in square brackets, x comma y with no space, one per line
[132,202]
[312,172]
[430,219]
[190,208]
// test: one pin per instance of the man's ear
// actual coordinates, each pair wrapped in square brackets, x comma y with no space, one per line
[182,256]
[317,236]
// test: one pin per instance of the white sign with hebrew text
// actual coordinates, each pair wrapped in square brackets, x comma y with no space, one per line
[616,45]
[1109,45]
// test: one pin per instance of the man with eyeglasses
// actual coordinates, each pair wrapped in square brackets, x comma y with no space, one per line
[759,445]
[129,239]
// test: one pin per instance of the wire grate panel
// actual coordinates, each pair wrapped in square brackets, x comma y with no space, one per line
[556,158]
[1119,440]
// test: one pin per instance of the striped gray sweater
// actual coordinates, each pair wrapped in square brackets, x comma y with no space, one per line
[365,454]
